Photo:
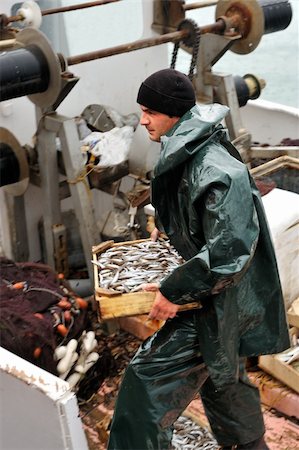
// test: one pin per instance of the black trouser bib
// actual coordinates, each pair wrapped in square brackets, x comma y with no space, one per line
[161,380]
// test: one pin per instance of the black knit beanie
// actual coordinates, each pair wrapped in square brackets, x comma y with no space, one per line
[167,91]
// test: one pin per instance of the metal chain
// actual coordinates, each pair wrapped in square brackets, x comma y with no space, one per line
[192,41]
[194,53]
[174,55]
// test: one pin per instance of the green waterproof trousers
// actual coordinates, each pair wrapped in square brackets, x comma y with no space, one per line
[163,377]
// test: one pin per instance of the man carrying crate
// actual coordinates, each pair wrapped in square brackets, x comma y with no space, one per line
[212,212]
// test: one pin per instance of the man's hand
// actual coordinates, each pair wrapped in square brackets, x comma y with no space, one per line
[150,287]
[155,234]
[162,308]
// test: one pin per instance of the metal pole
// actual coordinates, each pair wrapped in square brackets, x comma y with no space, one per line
[125,48]
[201,4]
[46,12]
[175,36]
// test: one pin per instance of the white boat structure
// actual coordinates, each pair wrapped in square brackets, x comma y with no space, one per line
[60,62]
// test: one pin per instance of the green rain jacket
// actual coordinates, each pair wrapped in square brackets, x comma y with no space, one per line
[213,215]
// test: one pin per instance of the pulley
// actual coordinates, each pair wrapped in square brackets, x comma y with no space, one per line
[31,14]
[14,168]
[31,69]
[248,87]
[252,19]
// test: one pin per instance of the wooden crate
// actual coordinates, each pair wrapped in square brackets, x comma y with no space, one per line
[293,319]
[113,304]
[279,369]
[292,314]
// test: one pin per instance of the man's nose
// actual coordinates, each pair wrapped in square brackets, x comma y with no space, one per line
[143,119]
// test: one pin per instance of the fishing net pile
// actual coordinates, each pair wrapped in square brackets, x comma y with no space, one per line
[42,317]
[34,301]
[38,312]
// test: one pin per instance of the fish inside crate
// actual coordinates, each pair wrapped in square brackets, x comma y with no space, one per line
[120,270]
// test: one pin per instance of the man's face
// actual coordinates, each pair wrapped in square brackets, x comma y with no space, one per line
[156,123]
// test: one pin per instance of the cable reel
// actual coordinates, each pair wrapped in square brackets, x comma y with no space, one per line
[252,19]
[31,68]
[14,167]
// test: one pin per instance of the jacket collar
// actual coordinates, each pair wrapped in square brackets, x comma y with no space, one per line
[189,134]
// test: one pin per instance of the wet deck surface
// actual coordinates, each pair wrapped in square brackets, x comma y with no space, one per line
[282,432]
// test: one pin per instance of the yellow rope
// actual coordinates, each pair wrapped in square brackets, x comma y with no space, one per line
[82,177]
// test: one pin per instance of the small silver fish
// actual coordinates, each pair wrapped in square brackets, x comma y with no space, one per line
[136,264]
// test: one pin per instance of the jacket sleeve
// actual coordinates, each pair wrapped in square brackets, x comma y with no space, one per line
[230,227]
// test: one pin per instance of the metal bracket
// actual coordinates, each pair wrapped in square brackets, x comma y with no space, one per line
[211,87]
[167,15]
[212,48]
[51,127]
[60,249]
[226,94]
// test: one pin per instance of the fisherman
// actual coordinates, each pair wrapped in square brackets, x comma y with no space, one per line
[212,212]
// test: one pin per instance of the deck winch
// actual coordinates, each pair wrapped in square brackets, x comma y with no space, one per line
[30,67]
[252,19]
[23,72]
[14,168]
[34,69]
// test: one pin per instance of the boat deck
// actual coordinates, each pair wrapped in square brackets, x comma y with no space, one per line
[280,404]
[282,432]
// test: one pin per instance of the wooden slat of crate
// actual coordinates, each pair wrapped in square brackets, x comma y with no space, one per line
[112,304]
[131,304]
[292,314]
[283,372]
[279,369]
[293,319]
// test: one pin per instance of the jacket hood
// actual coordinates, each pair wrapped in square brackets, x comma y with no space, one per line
[186,138]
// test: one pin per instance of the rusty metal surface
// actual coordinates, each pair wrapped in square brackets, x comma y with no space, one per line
[175,36]
[129,47]
[240,18]
[246,18]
